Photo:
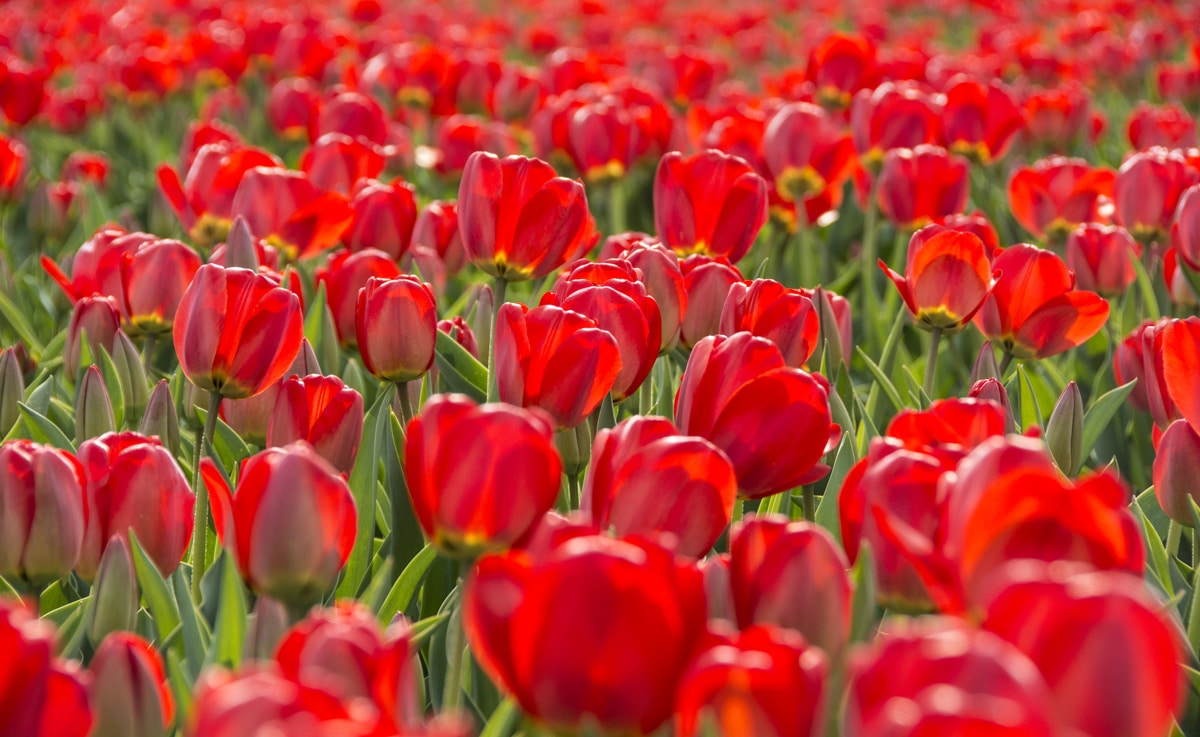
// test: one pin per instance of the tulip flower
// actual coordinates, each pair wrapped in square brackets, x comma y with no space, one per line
[975,223]
[1140,357]
[893,115]
[236,332]
[709,203]
[291,107]
[1100,256]
[335,162]
[707,281]
[116,597]
[772,421]
[792,575]
[384,218]
[479,476]
[1058,115]
[14,160]
[42,512]
[250,418]
[290,523]
[1185,232]
[42,695]
[917,186]
[645,478]
[253,701]
[458,136]
[343,276]
[290,211]
[980,120]
[437,228]
[947,278]
[154,277]
[1147,189]
[1054,195]
[840,65]
[1034,310]
[806,152]
[762,682]
[554,359]
[134,485]
[1176,465]
[129,691]
[660,273]
[938,675]
[1169,126]
[98,318]
[1087,631]
[395,323]
[518,220]
[766,308]
[86,167]
[642,610]
[352,113]
[323,411]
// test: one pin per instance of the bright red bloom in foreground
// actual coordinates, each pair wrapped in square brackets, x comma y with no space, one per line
[643,611]
[42,512]
[518,219]
[1180,350]
[946,280]
[1185,232]
[1056,194]
[395,322]
[479,476]
[1034,310]
[555,359]
[772,421]
[236,331]
[710,203]
[645,477]
[323,411]
[766,308]
[43,696]
[289,524]
[1176,468]
[917,186]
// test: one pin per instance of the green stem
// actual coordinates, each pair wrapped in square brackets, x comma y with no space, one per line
[498,295]
[869,257]
[808,276]
[200,523]
[148,354]
[616,206]
[808,502]
[737,511]
[1173,534]
[1004,364]
[1195,554]
[573,490]
[406,407]
[455,637]
[931,363]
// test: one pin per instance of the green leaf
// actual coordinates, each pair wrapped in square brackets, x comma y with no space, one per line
[405,589]
[230,628]
[194,634]
[1155,548]
[864,603]
[827,511]
[1030,411]
[774,504]
[16,320]
[181,687]
[424,629]
[363,479]
[504,720]
[1149,298]
[1097,417]
[112,382]
[881,381]
[42,430]
[459,369]
[159,599]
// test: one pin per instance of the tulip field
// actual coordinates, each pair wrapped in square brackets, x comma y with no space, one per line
[599,368]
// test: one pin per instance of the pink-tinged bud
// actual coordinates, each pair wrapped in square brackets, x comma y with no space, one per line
[129,692]
[12,390]
[1102,258]
[115,594]
[707,280]
[793,575]
[1176,468]
[131,373]
[458,329]
[992,390]
[42,514]
[1064,430]
[93,407]
[985,364]
[836,328]
[384,216]
[396,327]
[99,319]
[161,419]
[240,251]
[323,411]
[485,308]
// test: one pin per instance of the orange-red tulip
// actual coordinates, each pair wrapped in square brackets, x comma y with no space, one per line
[946,280]
[709,203]
[1056,194]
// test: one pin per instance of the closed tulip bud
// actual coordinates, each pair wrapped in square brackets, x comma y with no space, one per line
[485,307]
[115,594]
[160,419]
[99,319]
[1064,430]
[239,247]
[645,478]
[290,523]
[265,627]
[132,375]
[707,281]
[490,502]
[384,217]
[992,390]
[1176,468]
[323,411]
[12,390]
[835,325]
[396,326]
[985,364]
[129,692]
[344,276]
[42,513]
[93,407]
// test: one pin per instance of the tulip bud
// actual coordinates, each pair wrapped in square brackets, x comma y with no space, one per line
[992,390]
[93,407]
[160,419]
[396,327]
[265,628]
[96,317]
[132,375]
[128,690]
[12,390]
[1176,468]
[42,513]
[985,364]
[1064,430]
[114,594]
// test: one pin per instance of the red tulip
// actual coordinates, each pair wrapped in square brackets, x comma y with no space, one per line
[1185,232]
[917,186]
[1179,348]
[292,107]
[840,65]
[236,332]
[133,484]
[793,575]
[96,317]
[22,89]
[1169,126]
[762,682]
[1056,194]
[555,359]
[1102,642]
[1176,465]
[42,512]
[289,524]
[643,612]
[96,266]
[14,160]
[893,115]
[1058,116]
[939,676]
[288,210]
[86,166]
[437,228]
[766,308]
[1100,256]
[772,421]
[154,277]
[323,411]
[43,696]
[256,701]
[1141,356]
[344,276]
[646,478]
[707,281]
[980,120]
[354,114]
[709,203]
[1034,310]
[947,278]
[1147,189]
[129,691]
[336,162]
[975,223]
[600,140]
[518,220]
[251,417]
[511,478]
[806,152]
[404,305]
[660,272]
[384,218]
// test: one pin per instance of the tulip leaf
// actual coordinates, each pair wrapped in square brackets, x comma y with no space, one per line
[504,720]
[405,589]
[7,589]
[881,381]
[159,599]
[181,686]
[424,629]
[827,511]
[774,504]
[316,326]
[1156,551]
[1100,414]
[42,430]
[459,369]
[194,634]
[1158,519]
[1149,298]
[230,628]
[16,320]
[886,359]
[112,383]
[363,479]
[864,602]
[61,614]
[39,397]
[71,629]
